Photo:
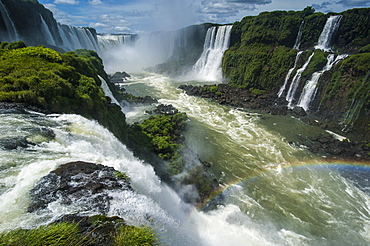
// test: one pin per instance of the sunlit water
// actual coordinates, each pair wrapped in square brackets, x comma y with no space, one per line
[274,193]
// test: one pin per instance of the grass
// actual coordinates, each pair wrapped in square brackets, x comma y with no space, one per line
[69,234]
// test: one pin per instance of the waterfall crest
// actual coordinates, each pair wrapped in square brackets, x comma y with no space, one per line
[208,66]
[327,33]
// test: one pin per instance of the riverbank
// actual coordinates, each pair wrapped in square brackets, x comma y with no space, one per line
[351,146]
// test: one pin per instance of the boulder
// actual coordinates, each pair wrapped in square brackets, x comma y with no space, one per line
[79,182]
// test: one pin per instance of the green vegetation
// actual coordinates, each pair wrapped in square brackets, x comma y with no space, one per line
[55,234]
[70,234]
[130,235]
[164,133]
[58,83]
[257,66]
[122,176]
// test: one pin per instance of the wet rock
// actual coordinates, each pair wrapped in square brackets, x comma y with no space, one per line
[299,111]
[166,109]
[119,77]
[14,143]
[81,183]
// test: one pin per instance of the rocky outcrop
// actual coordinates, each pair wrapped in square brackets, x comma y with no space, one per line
[82,183]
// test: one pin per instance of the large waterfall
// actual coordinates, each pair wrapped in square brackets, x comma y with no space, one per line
[208,66]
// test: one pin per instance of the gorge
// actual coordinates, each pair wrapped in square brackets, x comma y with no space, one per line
[244,173]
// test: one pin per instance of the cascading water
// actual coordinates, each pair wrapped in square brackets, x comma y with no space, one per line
[299,37]
[208,66]
[310,88]
[331,25]
[287,77]
[295,82]
[11,32]
[46,32]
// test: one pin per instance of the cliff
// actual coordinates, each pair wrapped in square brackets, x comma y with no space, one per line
[30,22]
[188,48]
[316,61]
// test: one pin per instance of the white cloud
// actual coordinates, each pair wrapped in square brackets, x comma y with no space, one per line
[67,2]
[95,2]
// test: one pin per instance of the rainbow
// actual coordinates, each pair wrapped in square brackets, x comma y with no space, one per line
[317,164]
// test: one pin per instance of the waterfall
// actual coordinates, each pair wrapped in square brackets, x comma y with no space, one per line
[11,31]
[287,77]
[326,35]
[299,37]
[107,91]
[310,88]
[46,32]
[295,82]
[208,66]
[110,41]
[77,38]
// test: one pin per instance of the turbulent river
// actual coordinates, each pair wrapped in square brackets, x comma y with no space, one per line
[273,192]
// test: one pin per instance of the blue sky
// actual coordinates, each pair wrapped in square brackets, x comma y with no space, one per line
[129,16]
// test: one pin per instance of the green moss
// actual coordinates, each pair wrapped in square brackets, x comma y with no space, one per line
[121,175]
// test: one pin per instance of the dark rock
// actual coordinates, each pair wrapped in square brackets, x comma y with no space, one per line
[78,182]
[166,109]
[14,143]
[119,77]
[299,111]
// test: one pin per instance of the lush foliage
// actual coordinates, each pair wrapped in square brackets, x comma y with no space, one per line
[258,66]
[164,132]
[61,83]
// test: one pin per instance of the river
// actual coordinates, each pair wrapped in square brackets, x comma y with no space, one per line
[272,192]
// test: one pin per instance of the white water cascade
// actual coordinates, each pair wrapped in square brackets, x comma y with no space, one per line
[310,88]
[208,66]
[46,32]
[287,77]
[299,37]
[77,38]
[295,82]
[11,32]
[331,25]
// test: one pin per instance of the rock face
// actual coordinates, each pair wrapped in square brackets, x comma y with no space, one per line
[79,182]
[31,22]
